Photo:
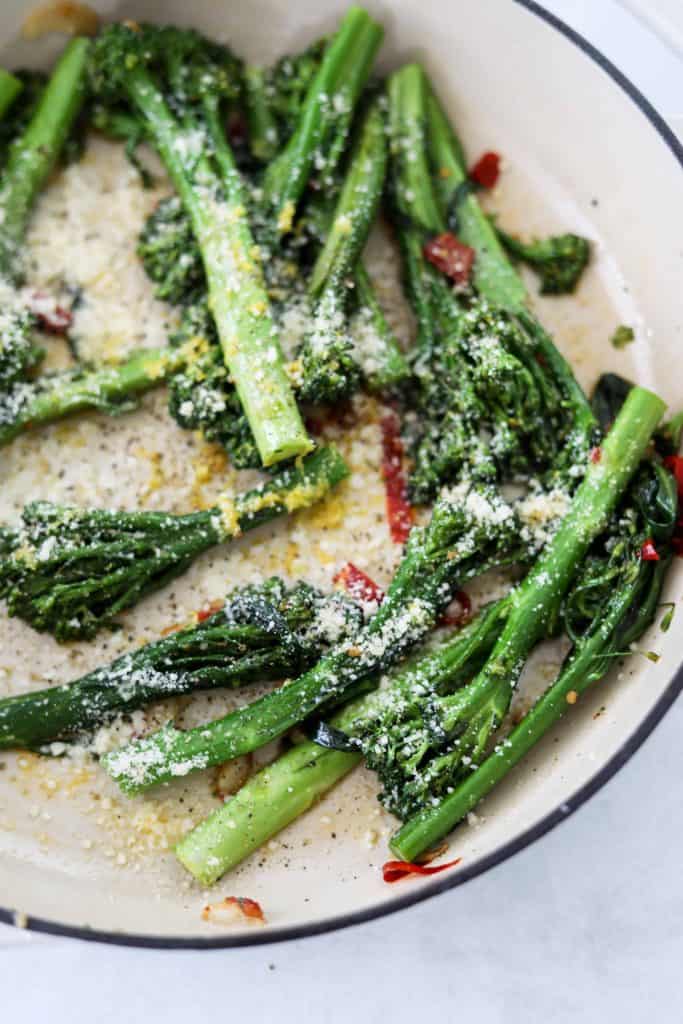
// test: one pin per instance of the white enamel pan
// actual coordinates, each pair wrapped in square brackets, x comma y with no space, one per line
[583,151]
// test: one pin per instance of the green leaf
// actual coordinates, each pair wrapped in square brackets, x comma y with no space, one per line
[623,336]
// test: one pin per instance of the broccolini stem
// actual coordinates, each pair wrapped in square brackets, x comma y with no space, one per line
[356,208]
[33,156]
[272,799]
[408,128]
[325,116]
[537,598]
[10,87]
[107,389]
[237,293]
[494,276]
[586,665]
[263,133]
[288,787]
[389,368]
[414,207]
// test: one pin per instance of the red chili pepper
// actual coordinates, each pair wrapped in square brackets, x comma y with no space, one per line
[250,908]
[486,170]
[460,614]
[648,552]
[358,584]
[595,454]
[674,463]
[394,870]
[246,906]
[451,256]
[399,512]
[52,318]
[211,609]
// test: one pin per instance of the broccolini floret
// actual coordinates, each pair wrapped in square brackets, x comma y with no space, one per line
[559,260]
[170,254]
[263,631]
[72,571]
[488,406]
[111,389]
[18,350]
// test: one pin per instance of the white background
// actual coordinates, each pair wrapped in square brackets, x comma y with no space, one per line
[585,925]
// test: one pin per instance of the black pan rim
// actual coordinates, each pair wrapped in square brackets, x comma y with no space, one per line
[513,846]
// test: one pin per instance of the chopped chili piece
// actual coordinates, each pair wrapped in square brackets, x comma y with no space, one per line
[211,609]
[394,870]
[648,552]
[249,907]
[595,454]
[451,256]
[358,584]
[52,318]
[245,906]
[486,171]
[458,611]
[674,463]
[399,511]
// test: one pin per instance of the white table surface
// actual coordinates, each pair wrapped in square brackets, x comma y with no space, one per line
[585,925]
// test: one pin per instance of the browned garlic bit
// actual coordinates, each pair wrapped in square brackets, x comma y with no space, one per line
[67,16]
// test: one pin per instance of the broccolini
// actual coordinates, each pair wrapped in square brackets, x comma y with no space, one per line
[264,631]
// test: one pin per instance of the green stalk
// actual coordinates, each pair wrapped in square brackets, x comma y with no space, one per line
[387,368]
[333,355]
[408,129]
[338,265]
[288,787]
[494,275]
[237,292]
[537,599]
[107,389]
[416,214]
[10,87]
[272,799]
[33,156]
[123,126]
[587,664]
[356,207]
[322,128]
[439,558]
[263,133]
